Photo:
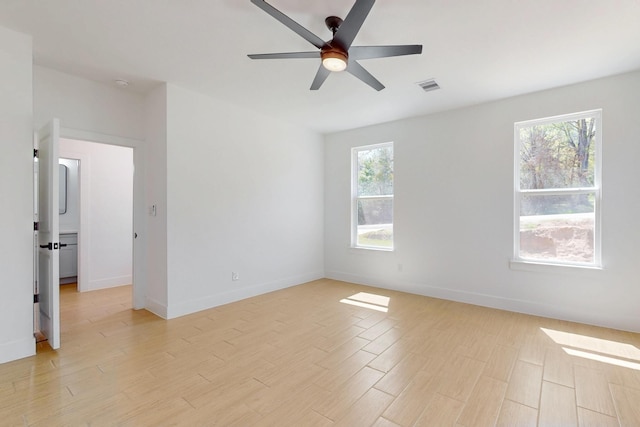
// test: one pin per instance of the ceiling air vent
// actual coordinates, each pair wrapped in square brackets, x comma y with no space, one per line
[428,85]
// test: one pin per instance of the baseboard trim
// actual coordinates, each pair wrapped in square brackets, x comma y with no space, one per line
[17,349]
[110,282]
[492,301]
[193,306]
[156,308]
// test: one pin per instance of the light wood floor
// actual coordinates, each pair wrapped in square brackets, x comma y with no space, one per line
[301,357]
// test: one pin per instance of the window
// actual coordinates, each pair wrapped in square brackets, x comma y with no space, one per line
[372,189]
[557,189]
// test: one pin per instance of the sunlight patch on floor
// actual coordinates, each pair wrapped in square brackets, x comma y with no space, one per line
[367,300]
[606,351]
[604,359]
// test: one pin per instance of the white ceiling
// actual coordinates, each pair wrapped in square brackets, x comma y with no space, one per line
[476,50]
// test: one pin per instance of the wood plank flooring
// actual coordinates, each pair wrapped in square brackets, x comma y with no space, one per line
[307,356]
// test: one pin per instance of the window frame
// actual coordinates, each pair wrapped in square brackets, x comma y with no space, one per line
[596,189]
[355,198]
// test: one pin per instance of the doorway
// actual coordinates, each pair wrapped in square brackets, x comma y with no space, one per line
[103,219]
[91,275]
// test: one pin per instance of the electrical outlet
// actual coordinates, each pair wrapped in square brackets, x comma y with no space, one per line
[235,276]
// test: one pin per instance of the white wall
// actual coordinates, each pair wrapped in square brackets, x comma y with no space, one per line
[107,184]
[235,191]
[454,204]
[245,195]
[16,193]
[86,105]
[155,298]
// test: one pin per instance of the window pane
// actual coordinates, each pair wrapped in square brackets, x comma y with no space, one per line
[375,172]
[557,228]
[558,155]
[375,223]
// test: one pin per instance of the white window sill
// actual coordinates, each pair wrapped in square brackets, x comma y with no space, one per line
[362,249]
[541,267]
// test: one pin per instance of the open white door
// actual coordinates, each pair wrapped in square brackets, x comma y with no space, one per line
[48,232]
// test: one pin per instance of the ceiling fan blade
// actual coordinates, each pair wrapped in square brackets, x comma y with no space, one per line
[321,76]
[293,25]
[285,55]
[359,71]
[351,25]
[368,52]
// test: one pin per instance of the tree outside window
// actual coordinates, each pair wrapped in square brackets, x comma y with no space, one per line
[372,189]
[558,189]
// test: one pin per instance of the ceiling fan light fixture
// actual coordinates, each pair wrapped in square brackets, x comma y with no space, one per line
[334,59]
[334,53]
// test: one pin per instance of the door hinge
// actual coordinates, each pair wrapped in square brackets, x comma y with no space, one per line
[36,298]
[36,226]
[35,153]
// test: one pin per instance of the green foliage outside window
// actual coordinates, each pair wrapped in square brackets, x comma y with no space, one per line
[374,196]
[558,156]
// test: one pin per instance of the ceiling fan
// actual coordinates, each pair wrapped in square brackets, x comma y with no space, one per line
[337,54]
